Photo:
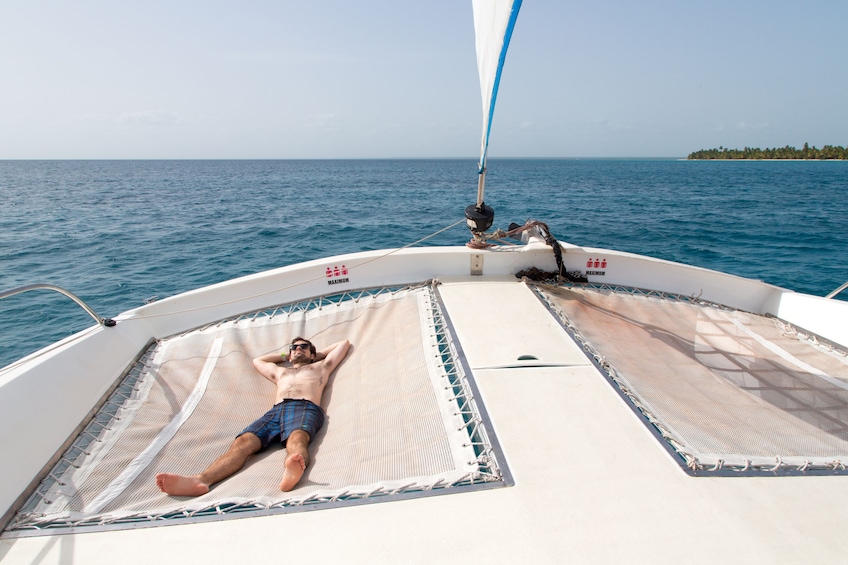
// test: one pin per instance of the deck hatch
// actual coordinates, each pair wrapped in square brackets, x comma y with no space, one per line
[401,420]
[728,391]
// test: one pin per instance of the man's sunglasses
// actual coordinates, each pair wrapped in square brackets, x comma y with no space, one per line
[294,346]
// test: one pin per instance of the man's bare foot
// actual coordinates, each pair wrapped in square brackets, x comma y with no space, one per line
[180,485]
[295,466]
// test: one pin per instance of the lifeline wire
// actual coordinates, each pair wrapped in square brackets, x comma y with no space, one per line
[308,280]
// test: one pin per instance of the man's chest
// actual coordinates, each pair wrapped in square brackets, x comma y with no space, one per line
[303,377]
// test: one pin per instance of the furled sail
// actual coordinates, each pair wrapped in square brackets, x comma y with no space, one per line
[493,24]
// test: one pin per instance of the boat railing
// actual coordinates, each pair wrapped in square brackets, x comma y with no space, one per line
[108,322]
[838,290]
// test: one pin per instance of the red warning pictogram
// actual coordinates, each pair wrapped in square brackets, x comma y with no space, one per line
[598,263]
[337,274]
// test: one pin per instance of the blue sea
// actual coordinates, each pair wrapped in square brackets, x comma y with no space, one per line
[117,233]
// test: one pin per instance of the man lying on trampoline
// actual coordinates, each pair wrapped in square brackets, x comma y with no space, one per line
[295,418]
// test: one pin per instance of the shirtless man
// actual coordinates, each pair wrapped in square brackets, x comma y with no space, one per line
[295,418]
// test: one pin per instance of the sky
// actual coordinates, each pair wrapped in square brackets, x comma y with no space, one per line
[340,79]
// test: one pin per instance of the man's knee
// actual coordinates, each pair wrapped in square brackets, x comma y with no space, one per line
[299,437]
[246,442]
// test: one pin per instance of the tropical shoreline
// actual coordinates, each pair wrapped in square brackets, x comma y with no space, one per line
[787,153]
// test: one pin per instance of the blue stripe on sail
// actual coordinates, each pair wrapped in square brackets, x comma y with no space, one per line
[513,16]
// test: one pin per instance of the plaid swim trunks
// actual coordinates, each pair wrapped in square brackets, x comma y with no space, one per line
[282,419]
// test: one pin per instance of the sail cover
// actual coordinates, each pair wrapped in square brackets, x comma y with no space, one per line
[493,24]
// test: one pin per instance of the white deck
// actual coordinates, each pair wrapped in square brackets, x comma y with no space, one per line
[592,484]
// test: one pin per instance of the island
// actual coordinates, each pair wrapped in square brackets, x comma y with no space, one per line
[807,152]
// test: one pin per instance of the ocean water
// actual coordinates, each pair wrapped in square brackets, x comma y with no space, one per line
[117,233]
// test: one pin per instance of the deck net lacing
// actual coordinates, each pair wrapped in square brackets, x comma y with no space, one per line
[729,390]
[400,418]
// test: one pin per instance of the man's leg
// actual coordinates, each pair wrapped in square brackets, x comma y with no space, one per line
[227,464]
[297,458]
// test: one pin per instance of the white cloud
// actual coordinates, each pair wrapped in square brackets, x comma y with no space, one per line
[93,117]
[327,122]
[153,118]
[746,126]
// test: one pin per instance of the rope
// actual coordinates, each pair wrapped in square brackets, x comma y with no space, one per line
[478,241]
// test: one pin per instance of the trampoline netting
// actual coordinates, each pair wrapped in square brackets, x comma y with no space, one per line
[727,389]
[400,418]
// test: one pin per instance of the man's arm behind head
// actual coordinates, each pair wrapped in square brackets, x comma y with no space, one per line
[267,365]
[332,355]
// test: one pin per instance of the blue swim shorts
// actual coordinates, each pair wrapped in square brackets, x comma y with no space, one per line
[282,419]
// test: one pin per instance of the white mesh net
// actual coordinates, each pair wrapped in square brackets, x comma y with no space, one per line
[397,418]
[725,388]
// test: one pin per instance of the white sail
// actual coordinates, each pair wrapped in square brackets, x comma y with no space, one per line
[493,24]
